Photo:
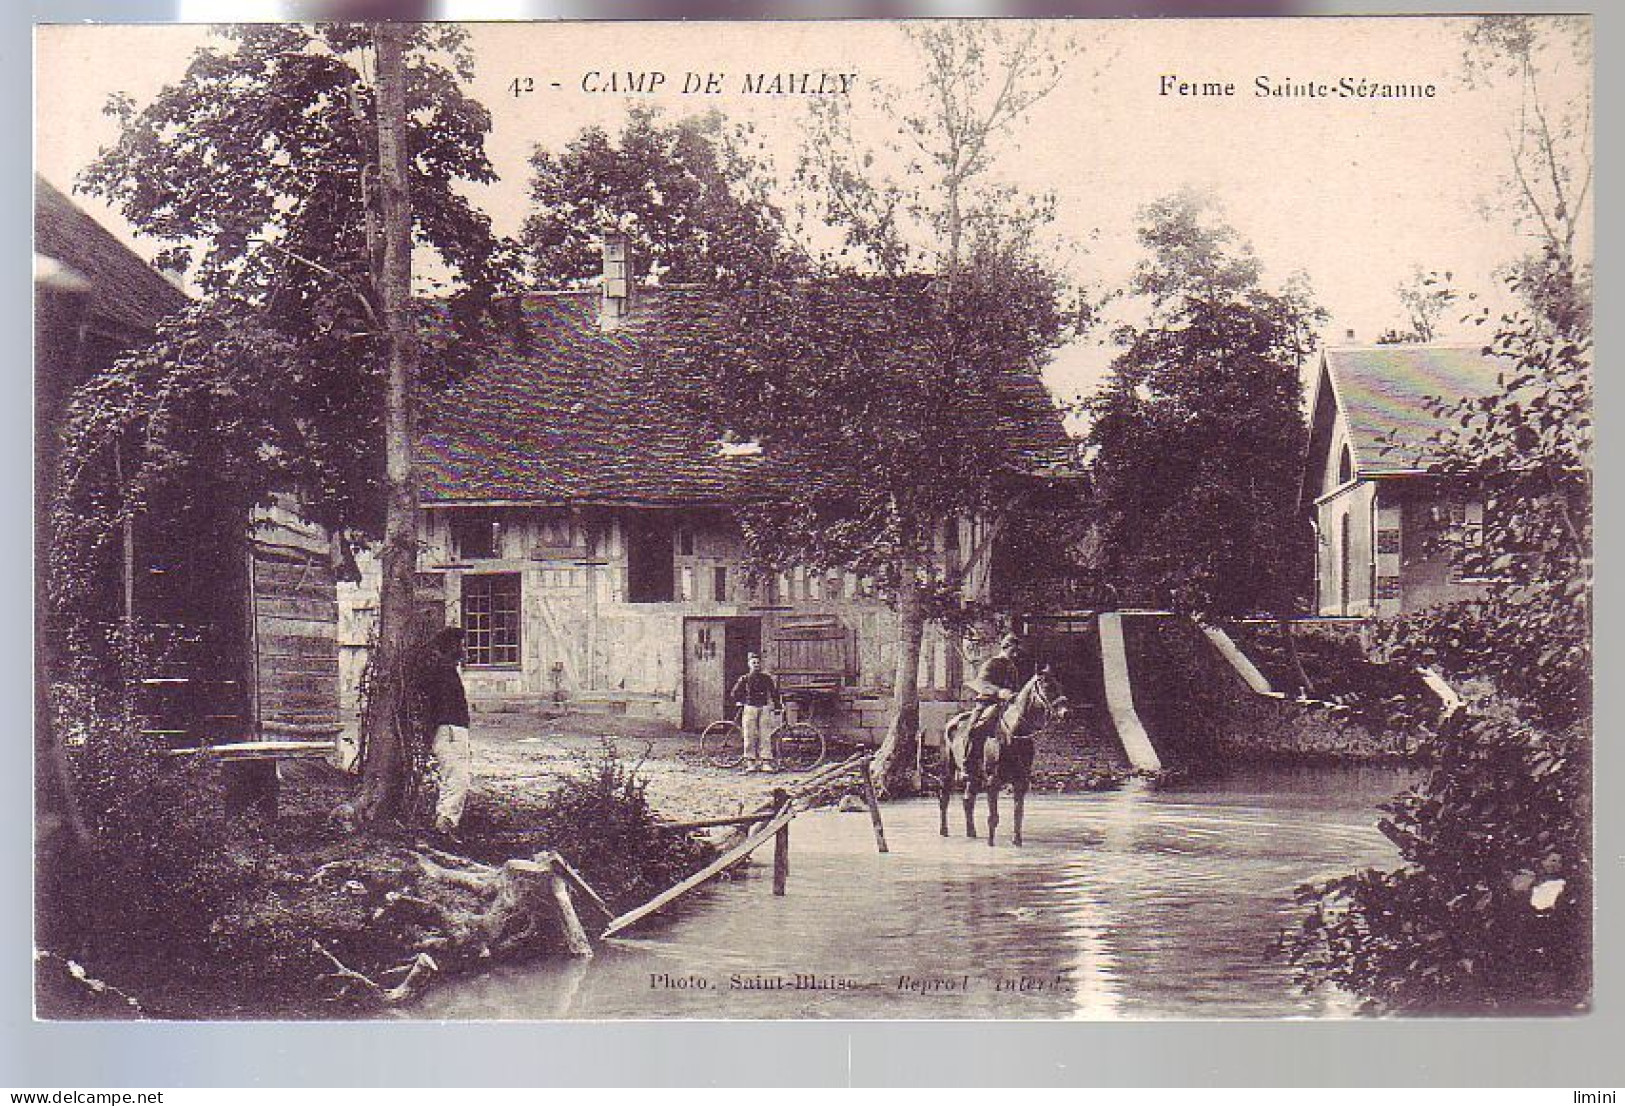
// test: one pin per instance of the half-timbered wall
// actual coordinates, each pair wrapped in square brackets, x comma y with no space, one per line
[585,638]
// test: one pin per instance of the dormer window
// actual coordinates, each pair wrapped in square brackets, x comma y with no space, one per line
[1345,466]
[475,535]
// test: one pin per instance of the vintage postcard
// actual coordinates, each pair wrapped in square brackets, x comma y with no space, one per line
[869,520]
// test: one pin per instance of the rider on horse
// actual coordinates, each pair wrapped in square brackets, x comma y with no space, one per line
[996,683]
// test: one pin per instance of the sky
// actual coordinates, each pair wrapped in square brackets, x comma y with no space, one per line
[1354,192]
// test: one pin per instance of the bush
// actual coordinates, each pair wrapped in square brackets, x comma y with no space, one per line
[1384,697]
[163,863]
[601,821]
[1492,910]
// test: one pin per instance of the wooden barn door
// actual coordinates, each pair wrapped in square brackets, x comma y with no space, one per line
[705,654]
[295,641]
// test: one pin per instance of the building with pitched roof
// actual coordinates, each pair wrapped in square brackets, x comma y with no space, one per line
[250,638]
[577,524]
[1385,527]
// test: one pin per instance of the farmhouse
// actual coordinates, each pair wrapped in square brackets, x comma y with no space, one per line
[1385,528]
[578,527]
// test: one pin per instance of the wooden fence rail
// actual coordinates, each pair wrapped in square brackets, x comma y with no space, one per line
[770,821]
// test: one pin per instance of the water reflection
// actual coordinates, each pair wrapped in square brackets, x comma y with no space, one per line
[1140,903]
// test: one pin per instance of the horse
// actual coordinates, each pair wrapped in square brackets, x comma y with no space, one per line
[1005,757]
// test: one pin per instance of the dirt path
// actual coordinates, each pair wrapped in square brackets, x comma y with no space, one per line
[520,756]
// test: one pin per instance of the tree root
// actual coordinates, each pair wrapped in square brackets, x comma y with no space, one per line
[464,912]
[419,971]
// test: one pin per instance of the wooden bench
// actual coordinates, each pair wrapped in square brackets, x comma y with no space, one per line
[249,768]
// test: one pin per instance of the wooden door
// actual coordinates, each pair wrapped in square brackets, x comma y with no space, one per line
[744,637]
[704,671]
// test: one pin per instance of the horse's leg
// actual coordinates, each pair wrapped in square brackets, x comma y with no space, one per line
[972,782]
[1021,776]
[992,789]
[945,784]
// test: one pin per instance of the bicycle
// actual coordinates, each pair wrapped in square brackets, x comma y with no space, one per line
[798,746]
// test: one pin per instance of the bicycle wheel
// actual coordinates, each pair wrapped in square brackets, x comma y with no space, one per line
[799,746]
[722,744]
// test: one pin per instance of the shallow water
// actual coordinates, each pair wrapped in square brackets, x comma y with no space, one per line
[1141,903]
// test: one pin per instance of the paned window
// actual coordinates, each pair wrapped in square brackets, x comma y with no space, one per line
[491,618]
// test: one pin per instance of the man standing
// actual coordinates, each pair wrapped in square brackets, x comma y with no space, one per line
[446,715]
[755,692]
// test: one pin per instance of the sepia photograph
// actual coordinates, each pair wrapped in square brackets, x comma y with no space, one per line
[924,520]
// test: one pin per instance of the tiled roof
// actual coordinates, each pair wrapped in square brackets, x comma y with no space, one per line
[128,292]
[1383,393]
[575,414]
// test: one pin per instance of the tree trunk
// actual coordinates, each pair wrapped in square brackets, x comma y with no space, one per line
[894,763]
[386,760]
[1305,685]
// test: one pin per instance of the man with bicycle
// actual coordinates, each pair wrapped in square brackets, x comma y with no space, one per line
[755,693]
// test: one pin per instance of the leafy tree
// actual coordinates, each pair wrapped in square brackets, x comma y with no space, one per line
[1198,434]
[1549,169]
[260,167]
[883,406]
[693,202]
[266,169]
[926,203]
[1492,907]
[1425,298]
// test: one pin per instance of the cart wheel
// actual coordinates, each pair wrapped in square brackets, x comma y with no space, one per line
[722,744]
[799,746]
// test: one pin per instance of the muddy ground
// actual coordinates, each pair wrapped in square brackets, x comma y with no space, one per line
[520,755]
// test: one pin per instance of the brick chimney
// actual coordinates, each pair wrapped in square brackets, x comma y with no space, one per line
[618,279]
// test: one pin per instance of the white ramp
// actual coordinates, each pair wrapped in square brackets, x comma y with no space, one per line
[1243,665]
[1120,696]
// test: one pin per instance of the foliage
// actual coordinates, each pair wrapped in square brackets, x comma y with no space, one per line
[257,166]
[1492,909]
[877,386]
[1383,696]
[260,168]
[691,199]
[1042,559]
[162,865]
[1548,60]
[183,436]
[601,821]
[919,199]
[881,406]
[1527,450]
[1198,434]
[1425,298]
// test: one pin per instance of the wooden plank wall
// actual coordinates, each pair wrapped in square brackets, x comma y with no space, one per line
[295,673]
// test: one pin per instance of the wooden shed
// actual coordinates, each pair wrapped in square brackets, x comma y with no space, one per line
[244,664]
[293,654]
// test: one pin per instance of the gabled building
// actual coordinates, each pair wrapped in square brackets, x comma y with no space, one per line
[1385,528]
[577,525]
[248,639]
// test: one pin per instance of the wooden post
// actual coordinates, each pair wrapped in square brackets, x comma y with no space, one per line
[781,859]
[781,845]
[751,843]
[562,866]
[873,801]
[575,937]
